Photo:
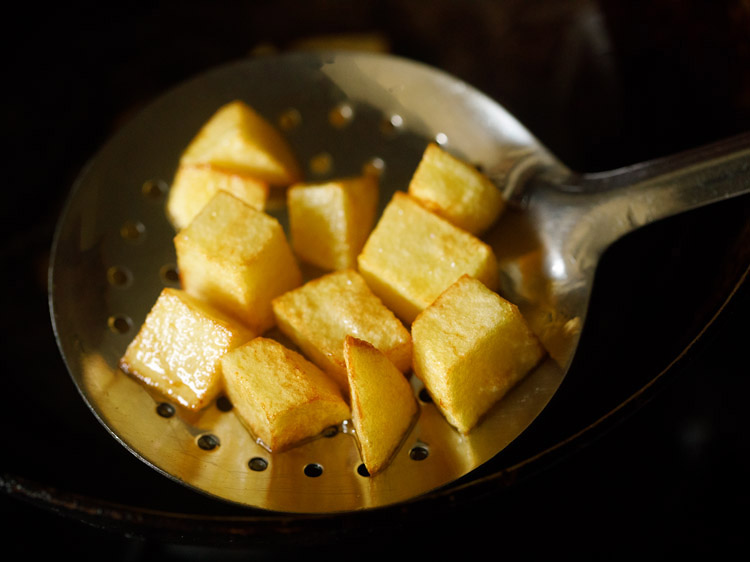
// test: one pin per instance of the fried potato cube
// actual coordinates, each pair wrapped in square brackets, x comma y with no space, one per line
[413,255]
[281,397]
[178,348]
[382,401]
[238,138]
[470,347]
[456,190]
[236,258]
[195,184]
[319,315]
[329,222]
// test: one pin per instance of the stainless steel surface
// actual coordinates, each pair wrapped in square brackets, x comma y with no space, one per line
[569,222]
[547,259]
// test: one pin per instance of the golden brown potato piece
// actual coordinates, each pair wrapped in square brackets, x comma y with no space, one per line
[319,315]
[238,138]
[470,347]
[413,255]
[238,259]
[280,396]
[194,185]
[178,347]
[456,190]
[329,222]
[382,401]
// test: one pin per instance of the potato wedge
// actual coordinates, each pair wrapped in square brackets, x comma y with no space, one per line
[382,401]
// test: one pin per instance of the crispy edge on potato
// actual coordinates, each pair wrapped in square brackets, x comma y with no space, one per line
[330,221]
[456,190]
[281,397]
[413,255]
[194,185]
[178,347]
[237,137]
[319,315]
[238,259]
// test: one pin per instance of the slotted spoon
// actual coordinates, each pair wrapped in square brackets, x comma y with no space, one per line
[342,113]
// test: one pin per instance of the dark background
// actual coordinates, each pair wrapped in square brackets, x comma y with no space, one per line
[602,84]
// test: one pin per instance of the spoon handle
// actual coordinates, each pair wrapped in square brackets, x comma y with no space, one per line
[662,188]
[612,204]
[578,217]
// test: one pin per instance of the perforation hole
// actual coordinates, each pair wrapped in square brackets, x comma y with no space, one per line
[391,125]
[419,452]
[119,323]
[208,442]
[321,163]
[165,410]
[341,115]
[374,167]
[169,274]
[224,404]
[313,470]
[154,189]
[133,231]
[257,464]
[118,276]
[290,119]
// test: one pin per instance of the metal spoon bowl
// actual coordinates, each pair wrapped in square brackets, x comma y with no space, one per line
[342,112]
